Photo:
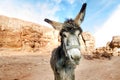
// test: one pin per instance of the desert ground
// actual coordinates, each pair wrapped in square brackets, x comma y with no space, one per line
[21,65]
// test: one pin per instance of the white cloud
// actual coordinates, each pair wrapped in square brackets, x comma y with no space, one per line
[109,29]
[27,11]
[71,1]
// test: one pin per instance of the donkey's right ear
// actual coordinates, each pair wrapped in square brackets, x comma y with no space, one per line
[80,17]
[56,25]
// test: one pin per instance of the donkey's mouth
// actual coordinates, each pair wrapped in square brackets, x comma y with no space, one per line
[76,59]
[74,55]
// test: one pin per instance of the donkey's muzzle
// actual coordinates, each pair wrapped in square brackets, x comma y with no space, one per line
[74,55]
[76,59]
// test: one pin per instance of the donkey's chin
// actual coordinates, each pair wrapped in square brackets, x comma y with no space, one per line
[74,55]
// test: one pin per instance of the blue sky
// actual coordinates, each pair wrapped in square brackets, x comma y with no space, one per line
[98,13]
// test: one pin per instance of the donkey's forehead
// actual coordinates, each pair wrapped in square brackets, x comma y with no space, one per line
[70,24]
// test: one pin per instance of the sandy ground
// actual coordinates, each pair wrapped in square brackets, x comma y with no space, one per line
[20,65]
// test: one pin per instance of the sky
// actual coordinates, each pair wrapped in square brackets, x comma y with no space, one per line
[101,19]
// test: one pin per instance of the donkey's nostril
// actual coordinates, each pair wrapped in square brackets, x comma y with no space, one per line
[72,57]
[76,58]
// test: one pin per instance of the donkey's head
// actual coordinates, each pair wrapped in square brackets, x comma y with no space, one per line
[70,31]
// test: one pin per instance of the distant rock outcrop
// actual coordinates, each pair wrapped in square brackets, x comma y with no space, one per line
[115,42]
[89,44]
[16,33]
[111,49]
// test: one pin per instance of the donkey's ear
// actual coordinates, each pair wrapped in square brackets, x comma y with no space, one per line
[80,17]
[56,25]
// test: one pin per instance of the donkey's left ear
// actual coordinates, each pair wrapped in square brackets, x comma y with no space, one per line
[80,17]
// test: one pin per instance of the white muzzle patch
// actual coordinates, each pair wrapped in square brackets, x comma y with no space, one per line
[74,55]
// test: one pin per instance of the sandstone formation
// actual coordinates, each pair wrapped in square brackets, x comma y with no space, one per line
[115,42]
[115,45]
[16,33]
[89,42]
[111,49]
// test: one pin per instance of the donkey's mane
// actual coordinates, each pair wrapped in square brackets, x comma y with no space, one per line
[69,20]
[70,23]
[70,26]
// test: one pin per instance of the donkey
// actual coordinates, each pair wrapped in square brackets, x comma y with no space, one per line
[65,58]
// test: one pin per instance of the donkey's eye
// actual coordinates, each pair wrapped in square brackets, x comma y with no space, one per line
[77,33]
[64,35]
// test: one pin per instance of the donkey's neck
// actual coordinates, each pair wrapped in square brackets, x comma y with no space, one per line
[63,61]
[65,71]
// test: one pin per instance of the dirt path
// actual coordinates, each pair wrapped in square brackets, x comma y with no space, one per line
[35,66]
